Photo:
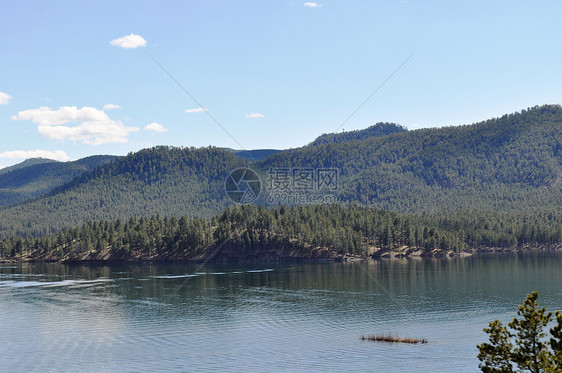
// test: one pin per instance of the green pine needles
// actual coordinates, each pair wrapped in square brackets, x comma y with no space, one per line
[524,346]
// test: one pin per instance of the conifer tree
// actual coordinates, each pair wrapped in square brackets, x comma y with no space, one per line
[523,344]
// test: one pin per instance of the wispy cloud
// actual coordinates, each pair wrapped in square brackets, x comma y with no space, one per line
[195,110]
[58,155]
[255,115]
[156,127]
[4,98]
[94,127]
[129,41]
[312,5]
[111,106]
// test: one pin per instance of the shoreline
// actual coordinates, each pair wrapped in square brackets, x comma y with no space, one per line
[273,257]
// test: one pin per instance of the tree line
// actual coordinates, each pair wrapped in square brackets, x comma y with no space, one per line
[246,231]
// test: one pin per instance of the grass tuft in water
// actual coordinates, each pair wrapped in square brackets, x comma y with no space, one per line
[392,339]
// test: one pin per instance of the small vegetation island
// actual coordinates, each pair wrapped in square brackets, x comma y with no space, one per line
[489,186]
[389,338]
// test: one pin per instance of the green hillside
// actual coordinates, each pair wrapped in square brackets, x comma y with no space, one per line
[169,181]
[508,163]
[512,164]
[37,176]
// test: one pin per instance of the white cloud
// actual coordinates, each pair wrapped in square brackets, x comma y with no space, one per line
[196,110]
[111,106]
[95,126]
[255,115]
[129,41]
[58,155]
[156,127]
[4,98]
[312,5]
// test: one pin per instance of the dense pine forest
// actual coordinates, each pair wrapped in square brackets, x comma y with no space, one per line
[161,180]
[496,183]
[508,163]
[302,232]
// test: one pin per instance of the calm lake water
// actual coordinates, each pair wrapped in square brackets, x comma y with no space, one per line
[262,317]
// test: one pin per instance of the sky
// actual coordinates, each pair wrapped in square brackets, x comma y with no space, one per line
[79,78]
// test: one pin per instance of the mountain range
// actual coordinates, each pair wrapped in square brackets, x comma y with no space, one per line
[511,163]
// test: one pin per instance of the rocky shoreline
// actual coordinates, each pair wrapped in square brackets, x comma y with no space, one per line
[285,254]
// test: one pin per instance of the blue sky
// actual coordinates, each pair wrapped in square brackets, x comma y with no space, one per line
[274,74]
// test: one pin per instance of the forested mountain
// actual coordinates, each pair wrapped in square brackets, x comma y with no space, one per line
[26,163]
[511,164]
[508,163]
[379,129]
[165,180]
[37,176]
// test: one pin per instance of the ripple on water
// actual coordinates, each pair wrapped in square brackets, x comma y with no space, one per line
[174,276]
[282,318]
[48,284]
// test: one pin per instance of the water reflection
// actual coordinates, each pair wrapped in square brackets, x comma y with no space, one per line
[294,317]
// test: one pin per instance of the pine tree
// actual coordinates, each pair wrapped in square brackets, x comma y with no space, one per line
[496,356]
[530,351]
[556,341]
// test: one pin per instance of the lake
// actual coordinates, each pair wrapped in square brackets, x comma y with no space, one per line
[263,317]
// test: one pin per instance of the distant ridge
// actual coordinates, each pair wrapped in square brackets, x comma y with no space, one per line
[254,155]
[36,176]
[26,163]
[376,130]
